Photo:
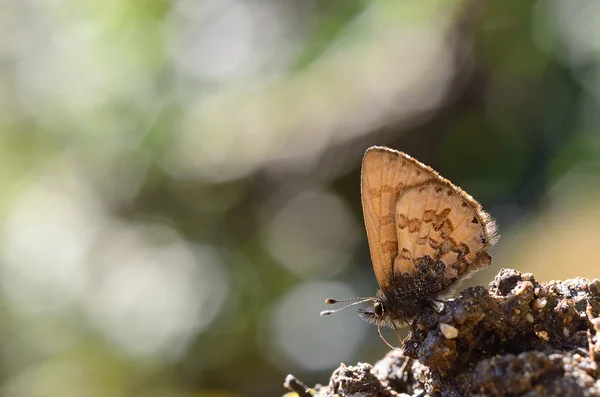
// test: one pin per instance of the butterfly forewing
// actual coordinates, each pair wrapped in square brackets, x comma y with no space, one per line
[385,173]
[411,213]
[377,201]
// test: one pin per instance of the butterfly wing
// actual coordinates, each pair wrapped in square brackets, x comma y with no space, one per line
[414,216]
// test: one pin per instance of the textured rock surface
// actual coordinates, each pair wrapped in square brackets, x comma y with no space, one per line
[519,337]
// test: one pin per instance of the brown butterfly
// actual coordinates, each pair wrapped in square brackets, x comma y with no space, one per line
[425,235]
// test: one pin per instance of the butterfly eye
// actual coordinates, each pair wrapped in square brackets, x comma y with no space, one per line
[378,309]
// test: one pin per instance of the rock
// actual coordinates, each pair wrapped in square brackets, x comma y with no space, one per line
[519,337]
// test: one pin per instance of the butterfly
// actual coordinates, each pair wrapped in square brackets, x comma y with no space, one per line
[425,235]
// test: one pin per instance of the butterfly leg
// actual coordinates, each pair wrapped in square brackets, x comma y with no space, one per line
[472,344]
[437,304]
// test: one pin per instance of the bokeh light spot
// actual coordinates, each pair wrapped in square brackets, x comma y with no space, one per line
[309,341]
[312,234]
[153,290]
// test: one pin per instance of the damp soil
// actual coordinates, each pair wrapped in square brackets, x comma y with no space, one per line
[519,337]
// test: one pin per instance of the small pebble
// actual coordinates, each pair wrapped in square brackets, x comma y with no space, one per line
[448,331]
[540,303]
[543,335]
[527,276]
[529,318]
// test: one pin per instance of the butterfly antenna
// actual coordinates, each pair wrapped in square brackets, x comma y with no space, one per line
[333,301]
[330,301]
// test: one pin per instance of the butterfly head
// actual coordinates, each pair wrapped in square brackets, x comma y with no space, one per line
[376,313]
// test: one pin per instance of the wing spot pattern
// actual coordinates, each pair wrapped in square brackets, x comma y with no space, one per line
[374,192]
[401,221]
[385,220]
[446,228]
[440,219]
[429,215]
[405,254]
[390,247]
[414,225]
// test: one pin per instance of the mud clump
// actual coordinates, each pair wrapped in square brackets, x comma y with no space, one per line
[519,337]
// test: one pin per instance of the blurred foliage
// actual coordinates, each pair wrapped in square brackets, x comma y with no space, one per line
[180,179]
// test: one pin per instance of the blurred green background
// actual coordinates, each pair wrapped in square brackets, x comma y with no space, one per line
[180,179]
